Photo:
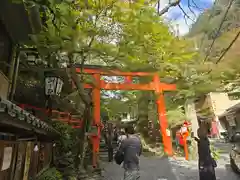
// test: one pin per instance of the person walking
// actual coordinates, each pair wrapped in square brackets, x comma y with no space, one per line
[131,149]
[177,140]
[206,163]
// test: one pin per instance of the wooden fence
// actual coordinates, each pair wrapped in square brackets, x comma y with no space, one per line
[19,161]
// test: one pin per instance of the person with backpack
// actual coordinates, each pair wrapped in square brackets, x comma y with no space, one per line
[128,154]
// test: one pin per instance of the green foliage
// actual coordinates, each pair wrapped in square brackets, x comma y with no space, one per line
[130,36]
[113,33]
[215,153]
[116,107]
[50,174]
[175,117]
[204,31]
[68,135]
[65,149]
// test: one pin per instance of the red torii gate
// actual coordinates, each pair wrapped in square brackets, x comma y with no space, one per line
[154,85]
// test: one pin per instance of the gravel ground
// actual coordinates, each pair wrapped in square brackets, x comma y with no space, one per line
[155,168]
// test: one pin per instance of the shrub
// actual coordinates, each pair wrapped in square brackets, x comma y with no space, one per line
[65,149]
[50,174]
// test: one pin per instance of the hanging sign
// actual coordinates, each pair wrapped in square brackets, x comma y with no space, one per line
[7,158]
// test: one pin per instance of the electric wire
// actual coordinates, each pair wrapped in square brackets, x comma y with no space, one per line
[227,49]
[219,29]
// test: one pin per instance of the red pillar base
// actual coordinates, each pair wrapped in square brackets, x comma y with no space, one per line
[95,143]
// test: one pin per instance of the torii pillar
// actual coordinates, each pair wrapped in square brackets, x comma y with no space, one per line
[162,113]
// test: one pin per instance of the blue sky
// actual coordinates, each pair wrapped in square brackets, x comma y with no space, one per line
[176,16]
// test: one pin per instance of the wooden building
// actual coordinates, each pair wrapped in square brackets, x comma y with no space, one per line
[26,143]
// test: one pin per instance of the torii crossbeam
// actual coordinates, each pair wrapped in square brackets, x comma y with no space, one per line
[155,85]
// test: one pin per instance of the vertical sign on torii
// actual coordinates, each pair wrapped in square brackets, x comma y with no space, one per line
[154,85]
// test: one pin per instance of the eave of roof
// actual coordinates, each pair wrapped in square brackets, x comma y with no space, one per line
[24,119]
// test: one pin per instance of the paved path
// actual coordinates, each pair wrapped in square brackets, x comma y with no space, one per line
[188,170]
[154,168]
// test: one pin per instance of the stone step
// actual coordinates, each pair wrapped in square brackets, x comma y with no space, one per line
[103,151]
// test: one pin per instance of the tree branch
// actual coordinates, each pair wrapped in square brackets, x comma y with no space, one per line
[185,14]
[166,9]
[77,83]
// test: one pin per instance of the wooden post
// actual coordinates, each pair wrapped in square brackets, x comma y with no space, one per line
[167,143]
[96,111]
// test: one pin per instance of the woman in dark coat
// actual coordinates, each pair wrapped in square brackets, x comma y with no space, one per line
[206,163]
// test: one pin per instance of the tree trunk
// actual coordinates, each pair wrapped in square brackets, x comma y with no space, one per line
[191,115]
[73,75]
[83,138]
[143,113]
[83,141]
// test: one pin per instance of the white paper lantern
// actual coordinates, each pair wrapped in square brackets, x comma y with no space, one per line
[53,86]
[36,148]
